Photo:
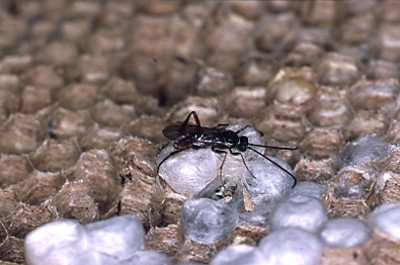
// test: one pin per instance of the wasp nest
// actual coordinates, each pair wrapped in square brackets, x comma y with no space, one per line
[92,94]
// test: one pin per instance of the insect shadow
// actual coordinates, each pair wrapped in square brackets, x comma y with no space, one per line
[220,139]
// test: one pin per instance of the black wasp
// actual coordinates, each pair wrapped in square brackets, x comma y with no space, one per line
[219,138]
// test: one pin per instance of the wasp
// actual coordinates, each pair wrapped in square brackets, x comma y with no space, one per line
[220,139]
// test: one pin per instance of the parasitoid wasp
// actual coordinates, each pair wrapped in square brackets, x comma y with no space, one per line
[219,139]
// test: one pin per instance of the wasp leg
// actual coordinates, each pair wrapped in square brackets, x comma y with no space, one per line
[196,119]
[220,151]
[244,161]
[243,181]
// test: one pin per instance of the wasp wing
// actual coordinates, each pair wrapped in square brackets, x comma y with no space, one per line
[172,132]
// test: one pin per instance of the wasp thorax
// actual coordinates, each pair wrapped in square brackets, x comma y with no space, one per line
[242,145]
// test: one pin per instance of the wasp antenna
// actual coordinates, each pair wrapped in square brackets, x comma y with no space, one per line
[291,148]
[276,164]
